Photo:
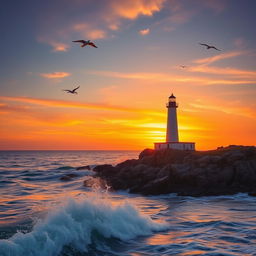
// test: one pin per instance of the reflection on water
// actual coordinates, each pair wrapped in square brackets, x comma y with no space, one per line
[31,187]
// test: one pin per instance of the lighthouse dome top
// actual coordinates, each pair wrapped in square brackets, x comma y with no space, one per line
[172,97]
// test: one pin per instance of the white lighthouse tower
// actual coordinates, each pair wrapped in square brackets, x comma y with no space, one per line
[172,135]
[172,123]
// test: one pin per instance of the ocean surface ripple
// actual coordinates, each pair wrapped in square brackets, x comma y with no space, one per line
[46,210]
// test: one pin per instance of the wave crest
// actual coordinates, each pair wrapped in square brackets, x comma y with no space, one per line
[74,224]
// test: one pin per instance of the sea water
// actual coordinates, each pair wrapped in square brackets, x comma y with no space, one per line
[42,214]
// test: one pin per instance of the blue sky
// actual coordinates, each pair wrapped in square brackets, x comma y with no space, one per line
[141,45]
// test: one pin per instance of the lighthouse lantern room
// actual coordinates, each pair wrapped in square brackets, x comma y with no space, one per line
[172,135]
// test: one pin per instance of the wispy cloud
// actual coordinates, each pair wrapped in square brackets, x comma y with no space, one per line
[72,104]
[55,75]
[224,71]
[240,111]
[166,77]
[222,56]
[180,16]
[57,46]
[144,32]
[204,67]
[88,30]
[111,15]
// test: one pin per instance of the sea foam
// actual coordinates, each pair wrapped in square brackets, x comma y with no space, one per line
[76,223]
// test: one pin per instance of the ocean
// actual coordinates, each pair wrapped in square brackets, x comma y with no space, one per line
[44,214]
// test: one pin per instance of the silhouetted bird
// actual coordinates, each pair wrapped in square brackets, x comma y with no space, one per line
[72,91]
[210,46]
[183,66]
[84,43]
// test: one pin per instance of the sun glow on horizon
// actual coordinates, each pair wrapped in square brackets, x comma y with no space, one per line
[146,50]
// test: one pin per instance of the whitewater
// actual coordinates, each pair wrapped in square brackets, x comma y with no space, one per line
[43,214]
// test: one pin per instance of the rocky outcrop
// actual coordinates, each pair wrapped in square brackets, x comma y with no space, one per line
[227,170]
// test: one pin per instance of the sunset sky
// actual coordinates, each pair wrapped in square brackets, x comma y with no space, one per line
[125,83]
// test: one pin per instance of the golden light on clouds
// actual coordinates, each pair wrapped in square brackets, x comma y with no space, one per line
[132,9]
[60,47]
[221,56]
[144,32]
[147,49]
[224,71]
[55,75]
[89,30]
[41,123]
[172,77]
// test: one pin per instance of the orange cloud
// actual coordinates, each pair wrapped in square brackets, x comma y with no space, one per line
[110,16]
[55,75]
[221,56]
[223,71]
[132,9]
[119,128]
[96,34]
[164,77]
[240,111]
[57,46]
[71,104]
[144,32]
[88,30]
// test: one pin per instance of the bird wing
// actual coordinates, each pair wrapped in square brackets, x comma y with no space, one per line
[92,44]
[79,41]
[66,90]
[76,88]
[204,44]
[215,48]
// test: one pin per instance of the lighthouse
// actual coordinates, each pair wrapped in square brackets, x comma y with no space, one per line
[172,132]
[172,123]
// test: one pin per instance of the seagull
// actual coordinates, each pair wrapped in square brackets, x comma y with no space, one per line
[84,43]
[183,66]
[209,46]
[72,91]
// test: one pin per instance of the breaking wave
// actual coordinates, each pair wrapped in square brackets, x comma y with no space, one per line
[77,224]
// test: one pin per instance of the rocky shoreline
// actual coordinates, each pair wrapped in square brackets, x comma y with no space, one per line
[224,171]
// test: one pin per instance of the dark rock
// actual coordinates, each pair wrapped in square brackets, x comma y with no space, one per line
[227,170]
[127,163]
[104,170]
[146,152]
[252,193]
[86,167]
[156,187]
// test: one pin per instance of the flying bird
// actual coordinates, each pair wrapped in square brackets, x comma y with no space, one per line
[84,43]
[183,66]
[72,91]
[210,46]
